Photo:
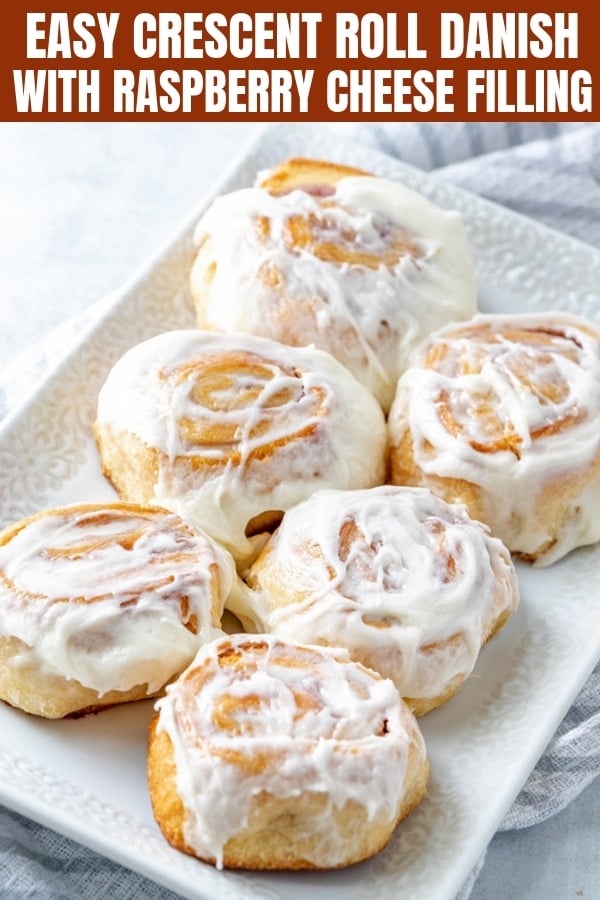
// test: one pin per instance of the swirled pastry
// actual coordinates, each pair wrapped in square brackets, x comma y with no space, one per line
[272,755]
[361,266]
[103,603]
[411,586]
[503,413]
[229,430]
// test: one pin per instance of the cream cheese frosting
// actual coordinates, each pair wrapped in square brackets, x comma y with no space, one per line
[392,574]
[365,272]
[110,596]
[242,425]
[511,405]
[284,719]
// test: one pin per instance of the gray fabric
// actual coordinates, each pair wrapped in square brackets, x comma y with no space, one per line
[545,170]
[39,864]
[431,145]
[555,182]
[570,762]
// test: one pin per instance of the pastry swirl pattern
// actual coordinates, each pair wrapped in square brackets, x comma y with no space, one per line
[109,597]
[229,430]
[360,266]
[410,585]
[238,406]
[503,412]
[258,727]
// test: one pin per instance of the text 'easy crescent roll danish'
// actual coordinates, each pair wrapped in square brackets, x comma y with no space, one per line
[229,430]
[503,413]
[103,603]
[361,266]
[267,754]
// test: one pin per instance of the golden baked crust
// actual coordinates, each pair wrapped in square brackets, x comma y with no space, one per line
[405,471]
[279,831]
[51,696]
[411,586]
[275,837]
[229,430]
[501,414]
[128,463]
[322,253]
[103,604]
[301,172]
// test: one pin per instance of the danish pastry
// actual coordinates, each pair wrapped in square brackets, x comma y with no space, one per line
[361,266]
[266,754]
[103,603]
[410,585]
[503,413]
[229,430]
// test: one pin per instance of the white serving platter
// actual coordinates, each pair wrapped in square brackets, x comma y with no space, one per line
[86,778]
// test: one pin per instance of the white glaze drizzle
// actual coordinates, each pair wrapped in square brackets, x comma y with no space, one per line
[414,571]
[350,741]
[385,311]
[90,607]
[510,480]
[339,427]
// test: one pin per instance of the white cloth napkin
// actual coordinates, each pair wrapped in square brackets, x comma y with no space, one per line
[548,171]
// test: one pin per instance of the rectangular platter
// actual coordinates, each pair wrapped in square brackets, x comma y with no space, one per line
[86,778]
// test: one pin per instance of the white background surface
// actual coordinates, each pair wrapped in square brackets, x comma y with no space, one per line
[82,206]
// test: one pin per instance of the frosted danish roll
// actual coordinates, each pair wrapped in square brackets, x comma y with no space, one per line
[410,585]
[230,430]
[503,413]
[103,603]
[268,754]
[361,266]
